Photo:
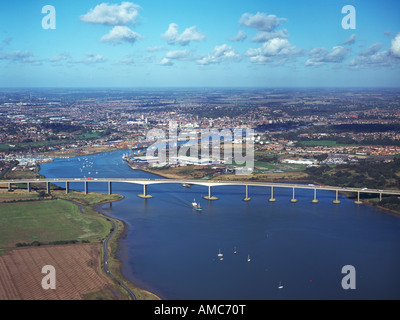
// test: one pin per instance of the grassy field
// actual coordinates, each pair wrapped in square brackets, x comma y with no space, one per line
[47,221]
[324,143]
[60,220]
[17,194]
[90,199]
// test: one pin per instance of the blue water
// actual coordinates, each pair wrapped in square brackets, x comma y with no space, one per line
[171,250]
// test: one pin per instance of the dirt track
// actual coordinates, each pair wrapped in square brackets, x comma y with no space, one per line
[77,273]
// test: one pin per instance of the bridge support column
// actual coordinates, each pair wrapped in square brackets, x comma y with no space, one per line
[315,197]
[210,197]
[66,187]
[9,186]
[272,199]
[358,198]
[380,197]
[109,187]
[145,195]
[337,201]
[28,186]
[48,187]
[293,200]
[247,194]
[86,187]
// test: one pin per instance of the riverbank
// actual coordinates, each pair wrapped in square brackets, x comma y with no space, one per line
[56,223]
[89,205]
[115,264]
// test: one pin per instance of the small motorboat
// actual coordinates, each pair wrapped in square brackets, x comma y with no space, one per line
[196,206]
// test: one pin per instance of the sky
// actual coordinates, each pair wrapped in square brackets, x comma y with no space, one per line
[200,43]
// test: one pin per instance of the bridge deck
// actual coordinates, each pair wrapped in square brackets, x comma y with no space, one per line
[208,183]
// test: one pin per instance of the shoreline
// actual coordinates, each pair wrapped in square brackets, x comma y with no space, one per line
[116,242]
[114,237]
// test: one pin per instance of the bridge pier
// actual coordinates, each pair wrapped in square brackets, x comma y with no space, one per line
[337,201]
[66,187]
[109,188]
[380,197]
[86,187]
[145,195]
[28,186]
[293,200]
[210,197]
[48,187]
[315,196]
[247,194]
[358,198]
[272,199]
[9,187]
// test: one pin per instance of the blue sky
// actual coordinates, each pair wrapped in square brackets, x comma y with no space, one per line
[200,43]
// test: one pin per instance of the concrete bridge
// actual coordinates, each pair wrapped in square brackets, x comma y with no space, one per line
[207,183]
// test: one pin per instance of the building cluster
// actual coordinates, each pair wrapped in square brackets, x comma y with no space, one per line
[33,124]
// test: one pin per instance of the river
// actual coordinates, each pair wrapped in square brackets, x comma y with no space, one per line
[171,249]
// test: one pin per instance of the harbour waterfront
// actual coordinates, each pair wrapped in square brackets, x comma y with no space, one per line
[172,250]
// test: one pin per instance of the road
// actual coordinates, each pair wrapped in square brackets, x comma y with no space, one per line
[106,252]
[209,183]
[105,267]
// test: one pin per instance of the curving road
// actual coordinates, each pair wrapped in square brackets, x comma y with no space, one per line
[105,267]
[106,251]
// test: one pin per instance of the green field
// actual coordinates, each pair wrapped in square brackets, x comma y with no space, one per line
[47,221]
[324,143]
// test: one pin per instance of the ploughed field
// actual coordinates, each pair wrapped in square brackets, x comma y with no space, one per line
[77,274]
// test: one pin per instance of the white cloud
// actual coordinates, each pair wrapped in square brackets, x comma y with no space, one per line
[178,54]
[261,21]
[395,46]
[190,34]
[128,60]
[219,54]
[377,59]
[112,14]
[371,50]
[265,36]
[241,35]
[59,58]
[350,40]
[154,48]
[91,58]
[120,34]
[21,57]
[166,62]
[182,55]
[276,50]
[320,56]
[373,56]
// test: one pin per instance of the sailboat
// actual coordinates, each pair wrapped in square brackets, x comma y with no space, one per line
[196,206]
[280,285]
[248,258]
